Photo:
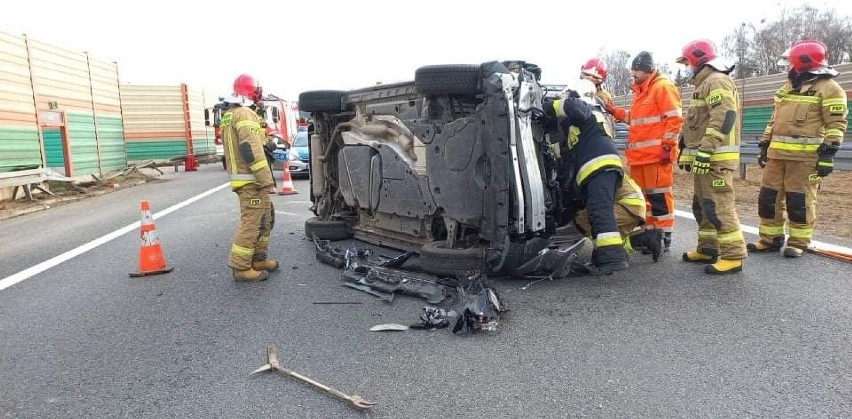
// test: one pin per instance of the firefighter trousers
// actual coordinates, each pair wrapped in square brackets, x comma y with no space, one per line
[257,218]
[599,193]
[790,187]
[628,216]
[714,208]
[656,181]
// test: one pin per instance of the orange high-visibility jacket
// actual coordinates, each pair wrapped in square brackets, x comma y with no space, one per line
[655,120]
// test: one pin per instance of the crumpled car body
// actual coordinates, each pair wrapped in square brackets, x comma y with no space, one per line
[452,165]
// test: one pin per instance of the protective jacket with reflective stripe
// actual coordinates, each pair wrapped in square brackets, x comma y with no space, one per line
[243,139]
[712,123]
[655,119]
[589,147]
[806,117]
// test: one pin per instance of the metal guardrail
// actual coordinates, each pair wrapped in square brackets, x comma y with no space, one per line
[749,152]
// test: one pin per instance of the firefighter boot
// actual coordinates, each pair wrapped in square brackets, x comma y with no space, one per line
[699,257]
[268,265]
[650,240]
[724,266]
[250,275]
[793,252]
[761,246]
[609,259]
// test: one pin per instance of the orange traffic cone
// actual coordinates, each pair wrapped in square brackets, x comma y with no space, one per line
[151,259]
[287,187]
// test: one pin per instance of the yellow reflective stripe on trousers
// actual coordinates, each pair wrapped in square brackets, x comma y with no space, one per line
[731,237]
[264,239]
[260,164]
[801,232]
[793,147]
[707,234]
[242,251]
[608,239]
[632,202]
[770,230]
[597,163]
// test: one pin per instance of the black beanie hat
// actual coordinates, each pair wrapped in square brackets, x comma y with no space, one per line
[644,62]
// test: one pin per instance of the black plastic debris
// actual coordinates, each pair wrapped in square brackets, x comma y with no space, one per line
[481,306]
[434,318]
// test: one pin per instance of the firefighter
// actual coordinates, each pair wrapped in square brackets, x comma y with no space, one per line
[594,173]
[655,121]
[798,148]
[710,149]
[595,70]
[630,218]
[250,179]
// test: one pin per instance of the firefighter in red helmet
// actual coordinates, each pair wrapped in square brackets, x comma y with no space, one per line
[710,150]
[800,141]
[251,177]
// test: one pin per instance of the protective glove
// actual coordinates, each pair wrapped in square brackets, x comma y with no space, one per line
[825,163]
[666,154]
[762,158]
[683,162]
[548,117]
[701,164]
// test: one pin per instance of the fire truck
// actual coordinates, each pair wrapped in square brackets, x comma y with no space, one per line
[280,116]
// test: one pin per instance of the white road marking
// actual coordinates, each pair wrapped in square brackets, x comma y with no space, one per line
[83,248]
[294,202]
[753,230]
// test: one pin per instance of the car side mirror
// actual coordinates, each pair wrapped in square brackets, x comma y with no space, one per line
[275,116]
[207,117]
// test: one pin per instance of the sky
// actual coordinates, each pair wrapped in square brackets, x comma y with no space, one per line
[294,46]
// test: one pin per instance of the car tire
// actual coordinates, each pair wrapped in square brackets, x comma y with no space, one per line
[327,229]
[436,259]
[456,79]
[322,101]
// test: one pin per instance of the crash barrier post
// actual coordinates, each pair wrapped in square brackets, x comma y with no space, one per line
[287,187]
[151,259]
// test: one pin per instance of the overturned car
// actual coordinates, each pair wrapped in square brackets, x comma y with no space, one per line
[454,166]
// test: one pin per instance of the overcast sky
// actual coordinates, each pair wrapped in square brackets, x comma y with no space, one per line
[293,46]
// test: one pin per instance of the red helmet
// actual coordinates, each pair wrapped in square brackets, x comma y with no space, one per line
[808,55]
[698,53]
[595,67]
[245,85]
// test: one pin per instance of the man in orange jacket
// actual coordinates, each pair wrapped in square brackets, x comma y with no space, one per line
[655,120]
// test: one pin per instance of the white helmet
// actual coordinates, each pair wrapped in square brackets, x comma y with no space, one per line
[784,59]
[235,99]
[584,88]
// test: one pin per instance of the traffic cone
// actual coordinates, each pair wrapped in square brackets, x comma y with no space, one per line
[151,259]
[287,187]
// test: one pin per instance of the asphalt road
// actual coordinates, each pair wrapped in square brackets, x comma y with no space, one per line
[82,339]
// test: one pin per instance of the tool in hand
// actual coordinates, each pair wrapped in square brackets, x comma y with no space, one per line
[272,364]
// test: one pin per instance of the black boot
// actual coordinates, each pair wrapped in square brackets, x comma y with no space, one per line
[667,241]
[650,241]
[609,259]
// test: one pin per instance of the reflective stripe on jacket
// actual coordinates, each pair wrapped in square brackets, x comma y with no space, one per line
[243,139]
[712,123]
[806,117]
[655,119]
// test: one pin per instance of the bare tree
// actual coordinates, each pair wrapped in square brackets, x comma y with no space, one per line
[619,80]
[756,51]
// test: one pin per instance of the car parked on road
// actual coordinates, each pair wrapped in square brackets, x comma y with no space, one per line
[454,165]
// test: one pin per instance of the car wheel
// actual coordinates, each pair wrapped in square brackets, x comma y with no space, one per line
[436,259]
[456,79]
[322,101]
[327,229]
